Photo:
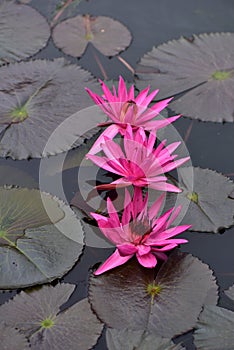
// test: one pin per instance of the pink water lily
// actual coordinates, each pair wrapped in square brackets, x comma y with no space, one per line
[140,231]
[123,108]
[140,164]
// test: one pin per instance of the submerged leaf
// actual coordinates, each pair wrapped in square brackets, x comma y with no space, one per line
[40,238]
[205,199]
[23,31]
[11,339]
[42,100]
[201,68]
[215,329]
[106,34]
[37,315]
[230,293]
[137,340]
[130,297]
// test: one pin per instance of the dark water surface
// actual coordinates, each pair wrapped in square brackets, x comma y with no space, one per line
[152,22]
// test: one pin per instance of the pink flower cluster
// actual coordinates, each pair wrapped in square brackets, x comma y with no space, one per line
[140,231]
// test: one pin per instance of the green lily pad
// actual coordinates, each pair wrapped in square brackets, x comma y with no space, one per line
[40,238]
[30,28]
[201,68]
[215,329]
[131,297]
[206,198]
[11,339]
[42,100]
[109,36]
[37,315]
[137,340]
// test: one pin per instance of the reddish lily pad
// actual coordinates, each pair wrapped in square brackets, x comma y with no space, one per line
[37,315]
[130,297]
[40,100]
[201,68]
[206,198]
[215,329]
[109,36]
[30,28]
[11,339]
[40,238]
[140,340]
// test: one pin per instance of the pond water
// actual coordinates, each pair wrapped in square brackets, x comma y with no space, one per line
[151,22]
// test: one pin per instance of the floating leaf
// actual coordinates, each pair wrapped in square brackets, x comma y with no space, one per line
[37,315]
[201,68]
[206,199]
[106,34]
[137,340]
[30,28]
[40,238]
[11,339]
[215,329]
[130,297]
[42,100]
[230,292]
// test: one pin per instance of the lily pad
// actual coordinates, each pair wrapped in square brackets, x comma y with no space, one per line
[11,339]
[211,208]
[42,100]
[230,293]
[215,329]
[130,297]
[30,28]
[38,316]
[40,238]
[109,36]
[137,340]
[201,68]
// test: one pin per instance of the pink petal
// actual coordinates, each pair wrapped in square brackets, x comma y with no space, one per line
[127,249]
[161,256]
[154,210]
[143,249]
[148,260]
[112,150]
[127,208]
[141,96]
[112,212]
[175,164]
[123,96]
[171,232]
[174,215]
[115,184]
[163,186]
[111,132]
[113,261]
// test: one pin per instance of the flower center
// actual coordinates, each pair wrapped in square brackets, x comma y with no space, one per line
[47,323]
[125,109]
[140,230]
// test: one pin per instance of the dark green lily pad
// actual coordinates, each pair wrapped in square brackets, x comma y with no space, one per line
[109,36]
[215,329]
[230,292]
[130,297]
[42,100]
[11,339]
[137,340]
[37,315]
[30,28]
[40,238]
[205,199]
[201,67]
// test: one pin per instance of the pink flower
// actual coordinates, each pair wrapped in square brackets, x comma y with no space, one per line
[140,232]
[124,109]
[140,164]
